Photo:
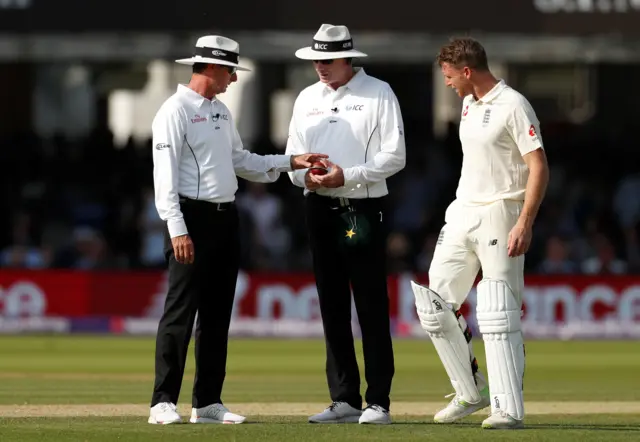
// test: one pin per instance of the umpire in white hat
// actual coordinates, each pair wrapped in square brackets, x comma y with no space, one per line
[197,154]
[356,120]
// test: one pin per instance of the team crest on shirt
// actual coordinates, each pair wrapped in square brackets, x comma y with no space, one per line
[218,116]
[486,117]
[532,133]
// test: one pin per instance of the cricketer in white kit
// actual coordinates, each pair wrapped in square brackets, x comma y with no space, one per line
[503,181]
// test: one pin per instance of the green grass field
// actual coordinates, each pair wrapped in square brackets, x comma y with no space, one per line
[98,388]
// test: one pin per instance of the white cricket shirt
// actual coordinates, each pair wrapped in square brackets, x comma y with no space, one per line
[197,153]
[496,131]
[359,126]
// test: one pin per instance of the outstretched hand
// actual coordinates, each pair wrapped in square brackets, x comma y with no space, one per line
[306,160]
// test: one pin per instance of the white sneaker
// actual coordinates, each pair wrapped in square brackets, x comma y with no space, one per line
[337,413]
[458,408]
[500,420]
[164,413]
[375,414]
[215,414]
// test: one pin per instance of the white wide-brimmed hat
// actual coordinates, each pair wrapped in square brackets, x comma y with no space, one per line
[215,49]
[330,42]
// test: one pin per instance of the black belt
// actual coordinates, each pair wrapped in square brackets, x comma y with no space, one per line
[220,207]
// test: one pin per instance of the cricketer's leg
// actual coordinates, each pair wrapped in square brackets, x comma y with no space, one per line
[498,314]
[452,273]
[499,311]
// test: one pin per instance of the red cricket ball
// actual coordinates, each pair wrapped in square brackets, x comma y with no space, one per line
[318,168]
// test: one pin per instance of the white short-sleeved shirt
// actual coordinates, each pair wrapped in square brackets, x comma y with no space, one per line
[359,126]
[197,153]
[496,131]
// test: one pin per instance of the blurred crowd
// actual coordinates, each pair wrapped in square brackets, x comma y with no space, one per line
[85,204]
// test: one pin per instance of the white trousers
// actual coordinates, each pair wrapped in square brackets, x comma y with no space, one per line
[474,238]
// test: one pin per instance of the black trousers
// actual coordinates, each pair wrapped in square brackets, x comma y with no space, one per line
[343,260]
[207,287]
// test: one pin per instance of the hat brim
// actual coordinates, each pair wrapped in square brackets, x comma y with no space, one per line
[309,54]
[193,60]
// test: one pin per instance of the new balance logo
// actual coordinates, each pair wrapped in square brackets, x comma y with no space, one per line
[497,402]
[437,304]
[493,242]
[440,237]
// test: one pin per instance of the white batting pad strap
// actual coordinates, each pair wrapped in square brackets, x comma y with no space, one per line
[440,322]
[498,315]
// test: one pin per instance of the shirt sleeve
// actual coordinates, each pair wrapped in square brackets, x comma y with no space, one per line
[392,156]
[254,167]
[168,134]
[295,146]
[524,127]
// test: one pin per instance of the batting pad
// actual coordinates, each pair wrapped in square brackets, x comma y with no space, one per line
[441,324]
[498,315]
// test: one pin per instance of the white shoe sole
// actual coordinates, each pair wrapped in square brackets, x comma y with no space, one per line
[467,412]
[153,421]
[504,426]
[342,420]
[205,420]
[385,422]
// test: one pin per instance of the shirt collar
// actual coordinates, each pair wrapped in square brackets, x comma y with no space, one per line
[191,95]
[354,84]
[494,92]
[358,80]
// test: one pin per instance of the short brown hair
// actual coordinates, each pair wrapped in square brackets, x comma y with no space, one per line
[199,68]
[461,52]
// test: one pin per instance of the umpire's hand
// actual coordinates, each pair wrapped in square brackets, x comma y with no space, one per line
[331,180]
[183,249]
[308,183]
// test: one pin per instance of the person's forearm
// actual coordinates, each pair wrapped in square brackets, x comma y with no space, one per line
[534,193]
